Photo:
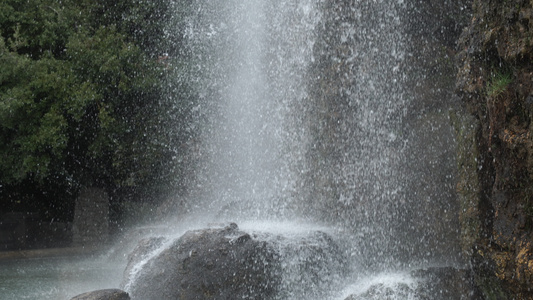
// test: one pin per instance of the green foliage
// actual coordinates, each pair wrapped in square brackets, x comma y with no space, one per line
[32,124]
[34,27]
[81,95]
[142,21]
[498,83]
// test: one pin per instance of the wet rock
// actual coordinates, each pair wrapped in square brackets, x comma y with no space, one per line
[228,263]
[312,264]
[445,283]
[141,252]
[424,284]
[14,230]
[494,81]
[109,294]
[130,239]
[221,263]
[386,292]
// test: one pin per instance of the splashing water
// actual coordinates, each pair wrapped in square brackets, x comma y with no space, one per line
[302,125]
[302,115]
[303,109]
[251,81]
[384,286]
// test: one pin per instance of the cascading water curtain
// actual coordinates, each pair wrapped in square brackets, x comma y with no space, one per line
[302,114]
[358,92]
[252,58]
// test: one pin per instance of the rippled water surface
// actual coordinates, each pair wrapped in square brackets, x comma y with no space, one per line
[56,278]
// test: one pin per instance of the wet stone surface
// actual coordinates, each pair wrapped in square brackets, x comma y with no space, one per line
[218,262]
[109,294]
[228,263]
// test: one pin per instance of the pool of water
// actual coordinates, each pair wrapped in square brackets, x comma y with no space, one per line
[56,278]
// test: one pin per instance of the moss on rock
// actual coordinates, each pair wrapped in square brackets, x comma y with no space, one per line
[495,185]
[468,188]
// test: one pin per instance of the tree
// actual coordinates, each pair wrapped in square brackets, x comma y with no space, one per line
[81,96]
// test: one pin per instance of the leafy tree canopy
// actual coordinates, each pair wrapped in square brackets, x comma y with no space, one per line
[80,96]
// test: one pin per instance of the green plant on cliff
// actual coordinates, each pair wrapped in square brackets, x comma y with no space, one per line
[498,83]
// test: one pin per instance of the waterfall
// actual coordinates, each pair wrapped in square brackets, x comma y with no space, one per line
[357,158]
[253,57]
[305,116]
[319,159]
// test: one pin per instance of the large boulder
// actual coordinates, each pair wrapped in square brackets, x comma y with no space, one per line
[109,294]
[221,263]
[142,252]
[312,264]
[228,263]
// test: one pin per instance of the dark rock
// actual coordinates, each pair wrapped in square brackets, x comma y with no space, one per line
[386,292]
[494,81]
[221,263]
[424,284]
[445,283]
[110,294]
[227,263]
[312,265]
[141,252]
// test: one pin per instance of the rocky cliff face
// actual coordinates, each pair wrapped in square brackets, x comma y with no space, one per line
[381,87]
[495,161]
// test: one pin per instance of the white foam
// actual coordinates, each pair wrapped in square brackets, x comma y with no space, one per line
[282,227]
[386,280]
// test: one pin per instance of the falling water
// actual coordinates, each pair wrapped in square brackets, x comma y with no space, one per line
[253,56]
[303,114]
[356,159]
[304,129]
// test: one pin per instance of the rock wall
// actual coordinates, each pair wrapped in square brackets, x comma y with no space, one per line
[91,218]
[382,140]
[495,160]
[26,230]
